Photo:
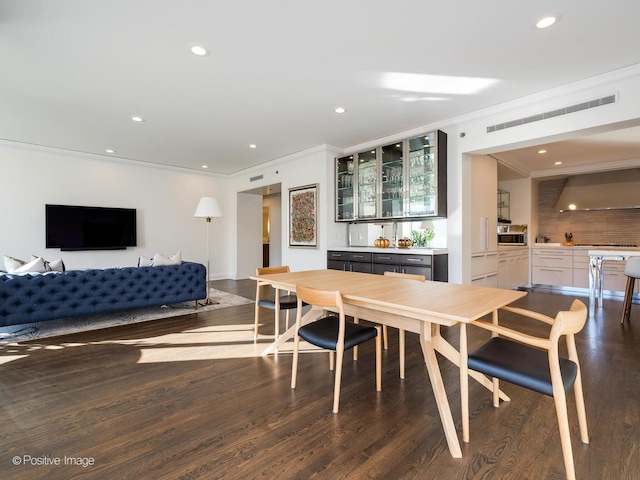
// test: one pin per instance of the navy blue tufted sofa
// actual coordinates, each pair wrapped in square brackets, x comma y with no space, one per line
[28,298]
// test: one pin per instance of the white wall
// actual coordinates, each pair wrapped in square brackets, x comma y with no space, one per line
[165,200]
[520,198]
[313,166]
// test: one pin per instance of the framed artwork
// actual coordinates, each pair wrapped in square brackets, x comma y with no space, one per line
[303,216]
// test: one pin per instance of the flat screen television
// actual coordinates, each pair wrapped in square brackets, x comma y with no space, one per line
[71,227]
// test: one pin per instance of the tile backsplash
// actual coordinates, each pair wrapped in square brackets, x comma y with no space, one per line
[597,226]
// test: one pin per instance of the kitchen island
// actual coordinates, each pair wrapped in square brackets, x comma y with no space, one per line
[596,271]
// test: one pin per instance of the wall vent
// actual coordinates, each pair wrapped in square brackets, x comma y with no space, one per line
[259,177]
[554,113]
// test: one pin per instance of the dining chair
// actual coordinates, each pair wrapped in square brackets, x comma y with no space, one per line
[534,362]
[632,271]
[279,302]
[332,333]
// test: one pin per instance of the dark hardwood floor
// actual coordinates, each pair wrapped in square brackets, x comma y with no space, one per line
[184,398]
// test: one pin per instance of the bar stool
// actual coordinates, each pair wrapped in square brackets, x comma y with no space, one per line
[632,271]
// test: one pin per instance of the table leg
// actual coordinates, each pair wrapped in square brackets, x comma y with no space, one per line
[289,333]
[448,351]
[464,383]
[438,390]
[600,279]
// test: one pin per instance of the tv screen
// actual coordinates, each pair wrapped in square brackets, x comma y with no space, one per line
[71,227]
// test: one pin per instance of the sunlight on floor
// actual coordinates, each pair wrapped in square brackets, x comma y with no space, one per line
[205,343]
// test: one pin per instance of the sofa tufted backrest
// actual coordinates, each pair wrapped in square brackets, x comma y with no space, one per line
[30,298]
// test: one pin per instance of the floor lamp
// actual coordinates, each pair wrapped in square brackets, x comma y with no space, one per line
[208,208]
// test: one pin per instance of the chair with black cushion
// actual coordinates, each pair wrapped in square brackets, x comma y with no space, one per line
[632,271]
[534,362]
[277,303]
[332,333]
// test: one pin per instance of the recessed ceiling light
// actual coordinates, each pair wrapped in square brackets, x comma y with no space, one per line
[546,22]
[253,145]
[572,207]
[205,166]
[557,163]
[541,152]
[199,50]
[109,150]
[136,118]
[340,110]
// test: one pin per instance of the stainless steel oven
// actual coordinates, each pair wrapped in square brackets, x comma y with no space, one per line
[512,234]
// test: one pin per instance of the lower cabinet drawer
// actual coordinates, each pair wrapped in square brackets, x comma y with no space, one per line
[552,276]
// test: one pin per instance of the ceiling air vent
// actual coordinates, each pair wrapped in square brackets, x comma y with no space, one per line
[256,178]
[598,102]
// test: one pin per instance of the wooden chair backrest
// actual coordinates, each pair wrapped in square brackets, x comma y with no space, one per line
[319,298]
[272,270]
[570,322]
[411,276]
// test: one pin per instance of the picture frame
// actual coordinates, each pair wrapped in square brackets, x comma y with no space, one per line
[303,216]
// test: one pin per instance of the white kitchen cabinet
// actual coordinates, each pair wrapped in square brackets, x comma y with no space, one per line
[552,267]
[513,267]
[484,221]
[580,268]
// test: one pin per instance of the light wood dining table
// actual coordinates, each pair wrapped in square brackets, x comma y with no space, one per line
[419,307]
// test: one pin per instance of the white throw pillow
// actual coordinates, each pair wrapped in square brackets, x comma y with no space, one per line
[144,261]
[34,266]
[159,260]
[12,264]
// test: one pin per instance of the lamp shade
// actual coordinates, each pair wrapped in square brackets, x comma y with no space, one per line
[207,208]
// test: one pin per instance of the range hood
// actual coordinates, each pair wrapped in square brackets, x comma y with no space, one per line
[617,189]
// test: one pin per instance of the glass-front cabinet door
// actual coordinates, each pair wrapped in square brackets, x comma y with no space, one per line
[392,181]
[345,188]
[406,179]
[423,181]
[367,175]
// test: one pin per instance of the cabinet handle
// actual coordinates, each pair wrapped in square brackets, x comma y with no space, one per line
[384,258]
[551,270]
[358,256]
[414,260]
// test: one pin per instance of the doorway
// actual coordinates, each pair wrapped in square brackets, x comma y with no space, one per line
[259,229]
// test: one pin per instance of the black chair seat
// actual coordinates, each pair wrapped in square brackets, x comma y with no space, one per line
[287,302]
[324,333]
[521,365]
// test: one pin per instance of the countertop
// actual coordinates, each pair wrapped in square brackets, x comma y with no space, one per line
[583,247]
[411,250]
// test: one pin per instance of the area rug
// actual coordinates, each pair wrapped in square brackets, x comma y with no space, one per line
[65,326]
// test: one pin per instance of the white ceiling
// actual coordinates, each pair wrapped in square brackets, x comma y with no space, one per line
[75,71]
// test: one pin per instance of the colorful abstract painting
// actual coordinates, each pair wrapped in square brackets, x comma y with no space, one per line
[303,216]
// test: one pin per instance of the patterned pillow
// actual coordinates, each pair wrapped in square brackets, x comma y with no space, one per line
[54,266]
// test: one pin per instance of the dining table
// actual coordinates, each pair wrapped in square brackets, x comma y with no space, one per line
[596,274]
[418,307]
